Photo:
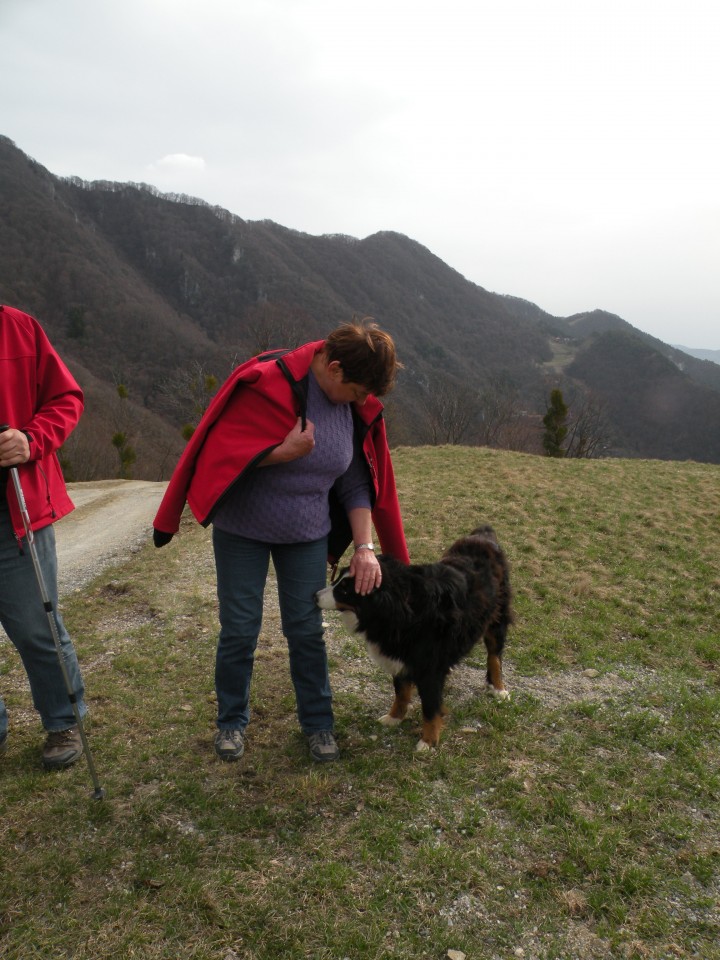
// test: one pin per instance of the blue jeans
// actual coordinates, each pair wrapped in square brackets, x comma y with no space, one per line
[242,567]
[25,620]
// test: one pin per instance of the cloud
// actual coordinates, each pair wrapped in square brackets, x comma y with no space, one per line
[178,163]
[561,152]
[177,173]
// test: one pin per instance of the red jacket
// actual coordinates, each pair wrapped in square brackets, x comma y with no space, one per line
[251,414]
[39,395]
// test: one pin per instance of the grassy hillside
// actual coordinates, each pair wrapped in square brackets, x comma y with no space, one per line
[578,820]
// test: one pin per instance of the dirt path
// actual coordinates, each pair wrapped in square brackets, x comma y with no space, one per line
[112,519]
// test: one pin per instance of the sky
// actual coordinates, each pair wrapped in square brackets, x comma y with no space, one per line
[562,151]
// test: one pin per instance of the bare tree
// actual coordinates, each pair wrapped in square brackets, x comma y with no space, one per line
[499,404]
[588,427]
[451,411]
[86,454]
[269,325]
[187,393]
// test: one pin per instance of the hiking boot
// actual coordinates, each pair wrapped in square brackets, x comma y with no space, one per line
[323,747]
[62,748]
[229,744]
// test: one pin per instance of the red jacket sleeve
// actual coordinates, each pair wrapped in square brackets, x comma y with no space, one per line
[59,402]
[386,514]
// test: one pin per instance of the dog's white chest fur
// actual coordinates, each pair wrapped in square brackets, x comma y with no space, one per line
[387,664]
[350,621]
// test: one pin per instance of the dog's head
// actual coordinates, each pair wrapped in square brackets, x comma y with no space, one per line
[387,604]
[340,594]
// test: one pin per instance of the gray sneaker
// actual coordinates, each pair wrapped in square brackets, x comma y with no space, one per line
[323,747]
[229,744]
[62,748]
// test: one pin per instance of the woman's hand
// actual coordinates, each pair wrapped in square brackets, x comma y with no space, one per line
[366,569]
[298,443]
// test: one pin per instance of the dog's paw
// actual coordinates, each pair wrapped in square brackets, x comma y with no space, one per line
[389,721]
[498,694]
[422,745]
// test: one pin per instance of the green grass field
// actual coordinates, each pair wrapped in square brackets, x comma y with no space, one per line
[578,820]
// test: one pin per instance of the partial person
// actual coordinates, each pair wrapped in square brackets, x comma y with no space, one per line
[41,403]
[291,463]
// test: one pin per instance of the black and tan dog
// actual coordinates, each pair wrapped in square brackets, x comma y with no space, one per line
[425,618]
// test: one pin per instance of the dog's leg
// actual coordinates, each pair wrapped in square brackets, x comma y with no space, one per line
[495,641]
[431,730]
[399,708]
[433,713]
[495,685]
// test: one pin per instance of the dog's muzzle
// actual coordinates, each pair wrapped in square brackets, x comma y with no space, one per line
[325,599]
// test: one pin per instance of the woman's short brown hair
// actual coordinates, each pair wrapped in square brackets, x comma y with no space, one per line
[366,355]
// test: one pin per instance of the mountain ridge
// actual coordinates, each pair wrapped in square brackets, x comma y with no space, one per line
[700,353]
[140,288]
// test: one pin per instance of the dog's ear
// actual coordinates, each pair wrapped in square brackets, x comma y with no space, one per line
[338,575]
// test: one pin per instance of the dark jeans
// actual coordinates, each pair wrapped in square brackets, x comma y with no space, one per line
[242,568]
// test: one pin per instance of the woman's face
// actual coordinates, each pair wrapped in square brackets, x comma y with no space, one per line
[338,391]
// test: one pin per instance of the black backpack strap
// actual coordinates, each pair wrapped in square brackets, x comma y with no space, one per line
[298,387]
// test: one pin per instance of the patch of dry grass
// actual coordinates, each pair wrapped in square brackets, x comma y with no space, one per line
[578,820]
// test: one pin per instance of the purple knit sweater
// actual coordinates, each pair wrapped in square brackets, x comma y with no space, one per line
[288,502]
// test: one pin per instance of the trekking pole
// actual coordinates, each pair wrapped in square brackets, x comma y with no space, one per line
[47,603]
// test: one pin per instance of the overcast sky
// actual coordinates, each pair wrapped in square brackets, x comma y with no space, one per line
[564,151]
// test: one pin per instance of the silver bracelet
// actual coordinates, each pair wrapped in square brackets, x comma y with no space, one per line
[364,546]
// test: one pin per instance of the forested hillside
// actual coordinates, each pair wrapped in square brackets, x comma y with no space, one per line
[152,299]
